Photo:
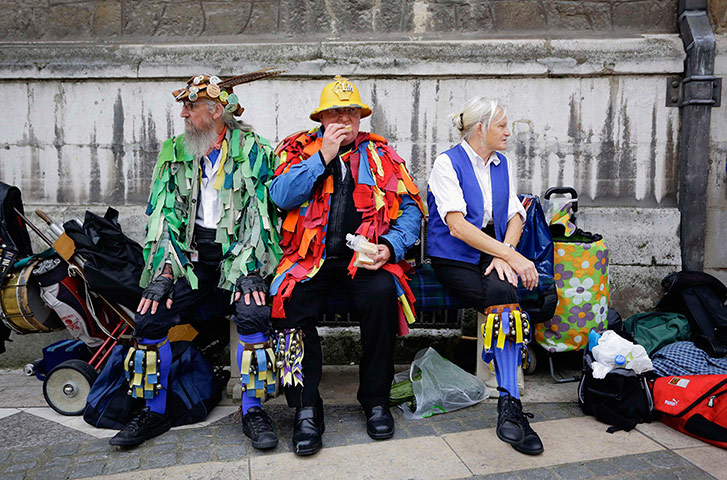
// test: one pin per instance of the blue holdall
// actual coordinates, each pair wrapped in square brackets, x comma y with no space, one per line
[536,244]
[194,390]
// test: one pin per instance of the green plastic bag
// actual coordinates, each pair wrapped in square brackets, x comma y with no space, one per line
[654,330]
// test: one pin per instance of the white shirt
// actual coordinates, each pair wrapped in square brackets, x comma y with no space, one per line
[209,206]
[448,196]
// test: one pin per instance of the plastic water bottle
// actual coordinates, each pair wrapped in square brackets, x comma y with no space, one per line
[593,338]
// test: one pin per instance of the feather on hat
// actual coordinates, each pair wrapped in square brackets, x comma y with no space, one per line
[220,91]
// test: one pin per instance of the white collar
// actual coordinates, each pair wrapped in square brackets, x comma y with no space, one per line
[474,156]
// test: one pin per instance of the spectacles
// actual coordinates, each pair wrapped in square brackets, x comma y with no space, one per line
[350,111]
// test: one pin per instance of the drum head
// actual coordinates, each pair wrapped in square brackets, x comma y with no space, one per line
[23,308]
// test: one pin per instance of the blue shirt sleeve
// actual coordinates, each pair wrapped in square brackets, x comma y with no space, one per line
[404,231]
[295,186]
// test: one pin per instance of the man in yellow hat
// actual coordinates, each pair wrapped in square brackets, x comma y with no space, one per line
[334,182]
[211,239]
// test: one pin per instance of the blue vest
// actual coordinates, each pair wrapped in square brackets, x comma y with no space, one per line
[440,243]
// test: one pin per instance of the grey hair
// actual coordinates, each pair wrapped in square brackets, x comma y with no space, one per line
[230,121]
[474,111]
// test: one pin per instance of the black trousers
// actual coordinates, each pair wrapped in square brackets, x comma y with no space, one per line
[190,306]
[195,307]
[468,281]
[373,297]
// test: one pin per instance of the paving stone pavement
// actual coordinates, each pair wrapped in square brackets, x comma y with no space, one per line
[654,465]
[33,447]
[37,448]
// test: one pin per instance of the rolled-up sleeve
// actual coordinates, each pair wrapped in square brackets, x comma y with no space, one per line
[444,185]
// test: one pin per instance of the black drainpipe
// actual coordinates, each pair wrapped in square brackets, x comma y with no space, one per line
[696,93]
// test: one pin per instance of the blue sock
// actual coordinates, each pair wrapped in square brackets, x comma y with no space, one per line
[248,401]
[507,361]
[158,404]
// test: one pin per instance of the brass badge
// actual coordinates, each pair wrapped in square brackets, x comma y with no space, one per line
[343,88]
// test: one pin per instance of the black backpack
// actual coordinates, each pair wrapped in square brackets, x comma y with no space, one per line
[113,261]
[622,399]
[700,297]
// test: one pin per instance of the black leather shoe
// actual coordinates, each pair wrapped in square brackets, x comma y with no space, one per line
[145,425]
[308,430]
[258,427]
[513,426]
[531,443]
[379,423]
[509,411]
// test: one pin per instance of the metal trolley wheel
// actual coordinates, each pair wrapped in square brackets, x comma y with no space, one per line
[66,387]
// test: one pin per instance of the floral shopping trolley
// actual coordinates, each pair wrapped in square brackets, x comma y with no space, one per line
[581,279]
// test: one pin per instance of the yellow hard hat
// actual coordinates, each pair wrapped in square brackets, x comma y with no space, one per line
[339,94]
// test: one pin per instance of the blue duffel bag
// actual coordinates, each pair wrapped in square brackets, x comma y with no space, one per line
[194,390]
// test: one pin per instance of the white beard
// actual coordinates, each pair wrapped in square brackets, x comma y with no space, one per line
[197,142]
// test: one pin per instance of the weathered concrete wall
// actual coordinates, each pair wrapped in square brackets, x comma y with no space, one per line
[251,20]
[715,254]
[586,112]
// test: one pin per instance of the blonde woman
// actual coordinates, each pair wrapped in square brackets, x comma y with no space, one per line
[475,222]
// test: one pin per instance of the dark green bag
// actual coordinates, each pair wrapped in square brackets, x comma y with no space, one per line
[654,330]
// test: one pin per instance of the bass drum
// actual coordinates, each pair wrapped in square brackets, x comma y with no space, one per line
[23,310]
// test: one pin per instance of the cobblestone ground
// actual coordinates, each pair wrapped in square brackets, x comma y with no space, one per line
[36,448]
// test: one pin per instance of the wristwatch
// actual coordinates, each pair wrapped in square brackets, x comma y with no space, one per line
[510,245]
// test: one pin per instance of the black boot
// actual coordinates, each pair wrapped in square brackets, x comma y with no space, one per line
[531,444]
[308,430]
[513,426]
[508,420]
[258,427]
[145,425]
[379,423]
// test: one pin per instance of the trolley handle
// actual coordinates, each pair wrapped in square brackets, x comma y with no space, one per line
[564,191]
[43,216]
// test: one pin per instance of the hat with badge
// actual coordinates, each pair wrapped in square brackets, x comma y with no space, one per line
[340,93]
[220,91]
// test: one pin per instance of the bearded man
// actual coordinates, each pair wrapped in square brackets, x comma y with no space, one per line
[335,181]
[211,243]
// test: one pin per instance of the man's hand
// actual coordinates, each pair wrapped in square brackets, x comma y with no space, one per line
[254,285]
[160,288]
[332,138]
[381,257]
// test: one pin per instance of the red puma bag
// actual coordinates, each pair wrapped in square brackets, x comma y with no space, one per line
[695,405]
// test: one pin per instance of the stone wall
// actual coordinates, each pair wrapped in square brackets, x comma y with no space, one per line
[715,254]
[288,20]
[717,11]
